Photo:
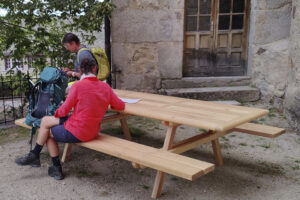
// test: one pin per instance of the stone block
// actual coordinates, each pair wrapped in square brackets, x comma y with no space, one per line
[170,59]
[157,4]
[270,68]
[133,25]
[138,64]
[120,4]
[120,59]
[272,25]
[271,4]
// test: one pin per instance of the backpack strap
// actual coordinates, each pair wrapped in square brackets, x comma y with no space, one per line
[33,131]
[32,96]
[80,50]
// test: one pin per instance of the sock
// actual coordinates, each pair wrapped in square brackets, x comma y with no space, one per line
[56,161]
[37,149]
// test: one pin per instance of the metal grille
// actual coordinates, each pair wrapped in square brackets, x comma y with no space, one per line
[13,97]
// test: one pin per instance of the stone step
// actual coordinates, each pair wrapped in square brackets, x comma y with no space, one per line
[237,93]
[198,82]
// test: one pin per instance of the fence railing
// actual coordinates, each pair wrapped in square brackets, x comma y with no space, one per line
[14,90]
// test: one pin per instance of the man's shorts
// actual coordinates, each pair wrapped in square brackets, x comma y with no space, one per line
[60,134]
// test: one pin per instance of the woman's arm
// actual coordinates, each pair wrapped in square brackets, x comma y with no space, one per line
[69,103]
[115,102]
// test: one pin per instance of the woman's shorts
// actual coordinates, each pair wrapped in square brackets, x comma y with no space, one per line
[60,134]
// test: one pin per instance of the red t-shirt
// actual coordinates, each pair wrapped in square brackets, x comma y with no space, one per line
[90,99]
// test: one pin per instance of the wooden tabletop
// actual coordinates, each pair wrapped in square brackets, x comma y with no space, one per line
[196,113]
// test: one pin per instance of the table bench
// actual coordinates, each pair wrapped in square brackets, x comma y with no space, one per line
[167,162]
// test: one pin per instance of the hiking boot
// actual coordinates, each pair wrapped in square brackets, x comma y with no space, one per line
[30,159]
[56,172]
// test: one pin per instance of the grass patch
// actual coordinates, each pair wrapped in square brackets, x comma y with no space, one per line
[296,167]
[104,193]
[266,146]
[262,119]
[243,144]
[202,130]
[13,134]
[270,168]
[146,187]
[233,135]
[224,138]
[271,113]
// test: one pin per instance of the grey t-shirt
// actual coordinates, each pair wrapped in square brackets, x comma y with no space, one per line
[83,54]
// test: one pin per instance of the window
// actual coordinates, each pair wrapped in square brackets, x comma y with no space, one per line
[10,63]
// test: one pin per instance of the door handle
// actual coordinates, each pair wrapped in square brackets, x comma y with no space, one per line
[211,28]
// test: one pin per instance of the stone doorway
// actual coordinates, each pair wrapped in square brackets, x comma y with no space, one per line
[216,38]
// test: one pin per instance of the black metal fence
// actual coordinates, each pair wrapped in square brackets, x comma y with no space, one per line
[14,97]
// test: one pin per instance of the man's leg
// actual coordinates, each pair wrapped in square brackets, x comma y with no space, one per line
[33,158]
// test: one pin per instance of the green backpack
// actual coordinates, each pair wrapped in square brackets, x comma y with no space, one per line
[45,97]
[102,61]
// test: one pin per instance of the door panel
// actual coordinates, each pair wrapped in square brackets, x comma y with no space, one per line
[216,37]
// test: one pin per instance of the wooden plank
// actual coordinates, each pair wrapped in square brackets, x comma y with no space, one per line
[195,141]
[260,130]
[114,117]
[158,159]
[196,113]
[21,122]
[160,176]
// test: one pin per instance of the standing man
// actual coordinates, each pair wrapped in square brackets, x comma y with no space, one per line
[72,43]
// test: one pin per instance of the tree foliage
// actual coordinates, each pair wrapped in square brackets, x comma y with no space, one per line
[36,27]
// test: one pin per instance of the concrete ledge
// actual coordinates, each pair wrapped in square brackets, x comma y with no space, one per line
[193,82]
[237,93]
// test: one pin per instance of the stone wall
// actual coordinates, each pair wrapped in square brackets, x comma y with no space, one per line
[147,42]
[268,48]
[292,97]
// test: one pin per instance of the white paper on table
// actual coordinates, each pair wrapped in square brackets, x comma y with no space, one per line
[130,100]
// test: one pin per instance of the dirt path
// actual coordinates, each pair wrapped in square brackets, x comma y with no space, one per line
[254,168]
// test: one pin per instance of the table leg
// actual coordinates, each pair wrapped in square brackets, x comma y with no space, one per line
[160,176]
[217,152]
[67,152]
[125,129]
[127,135]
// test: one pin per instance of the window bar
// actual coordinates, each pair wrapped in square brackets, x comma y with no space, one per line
[2,97]
[12,98]
[21,93]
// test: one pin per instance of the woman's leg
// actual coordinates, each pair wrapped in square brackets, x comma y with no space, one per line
[33,158]
[52,147]
[44,131]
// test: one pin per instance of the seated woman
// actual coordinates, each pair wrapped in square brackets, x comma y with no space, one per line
[89,99]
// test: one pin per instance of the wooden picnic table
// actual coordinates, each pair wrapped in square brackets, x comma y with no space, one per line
[218,119]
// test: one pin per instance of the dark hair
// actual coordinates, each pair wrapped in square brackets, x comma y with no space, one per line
[69,38]
[87,65]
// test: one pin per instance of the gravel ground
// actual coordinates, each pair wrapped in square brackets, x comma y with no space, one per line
[254,168]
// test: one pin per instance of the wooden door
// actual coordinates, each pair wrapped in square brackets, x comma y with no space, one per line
[216,37]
